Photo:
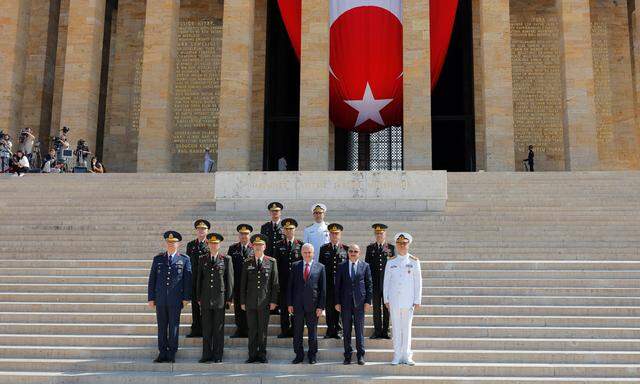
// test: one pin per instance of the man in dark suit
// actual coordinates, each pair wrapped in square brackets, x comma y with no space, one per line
[353,297]
[259,293]
[239,252]
[168,291]
[306,297]
[377,255]
[288,252]
[195,250]
[214,285]
[332,255]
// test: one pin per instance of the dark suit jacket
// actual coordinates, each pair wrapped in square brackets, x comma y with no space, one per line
[353,294]
[310,295]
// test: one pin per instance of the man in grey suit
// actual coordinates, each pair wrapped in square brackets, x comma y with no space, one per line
[306,297]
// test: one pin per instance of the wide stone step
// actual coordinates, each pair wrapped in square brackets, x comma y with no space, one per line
[331,368]
[332,354]
[418,343]
[418,330]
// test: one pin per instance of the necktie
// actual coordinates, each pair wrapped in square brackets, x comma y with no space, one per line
[306,272]
[259,264]
[353,270]
[335,249]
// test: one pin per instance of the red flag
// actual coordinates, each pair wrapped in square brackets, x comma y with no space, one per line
[366,57]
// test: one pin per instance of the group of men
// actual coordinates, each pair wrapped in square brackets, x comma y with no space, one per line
[274,272]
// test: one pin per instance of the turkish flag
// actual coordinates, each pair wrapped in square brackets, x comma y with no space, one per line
[366,57]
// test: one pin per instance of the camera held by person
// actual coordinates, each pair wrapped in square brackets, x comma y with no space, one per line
[82,153]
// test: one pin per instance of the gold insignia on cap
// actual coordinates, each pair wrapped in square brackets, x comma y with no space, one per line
[244,229]
[402,239]
[172,239]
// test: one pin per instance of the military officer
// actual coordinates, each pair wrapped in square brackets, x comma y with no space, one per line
[215,292]
[273,229]
[287,252]
[196,249]
[376,256]
[168,291]
[402,295]
[259,293]
[239,252]
[332,255]
[317,233]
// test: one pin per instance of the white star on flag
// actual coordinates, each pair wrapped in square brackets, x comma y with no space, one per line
[368,108]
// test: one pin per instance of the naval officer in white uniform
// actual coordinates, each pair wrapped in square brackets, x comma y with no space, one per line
[402,294]
[318,232]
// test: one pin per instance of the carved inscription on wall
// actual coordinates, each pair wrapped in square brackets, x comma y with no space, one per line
[603,96]
[537,93]
[197,90]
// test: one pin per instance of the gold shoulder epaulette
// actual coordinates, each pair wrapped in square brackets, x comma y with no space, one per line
[413,258]
[391,257]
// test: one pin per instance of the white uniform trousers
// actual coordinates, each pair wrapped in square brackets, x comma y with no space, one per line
[401,319]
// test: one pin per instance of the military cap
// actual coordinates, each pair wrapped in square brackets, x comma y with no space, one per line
[403,237]
[335,228]
[319,207]
[215,238]
[289,224]
[244,228]
[379,227]
[258,238]
[202,223]
[275,206]
[172,236]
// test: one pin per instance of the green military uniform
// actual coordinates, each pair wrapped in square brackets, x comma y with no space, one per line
[215,292]
[259,288]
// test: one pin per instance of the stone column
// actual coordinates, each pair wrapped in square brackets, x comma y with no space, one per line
[83,61]
[14,22]
[417,85]
[635,19]
[576,56]
[157,86]
[236,86]
[314,87]
[497,89]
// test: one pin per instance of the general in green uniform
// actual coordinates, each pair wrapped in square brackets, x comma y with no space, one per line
[259,292]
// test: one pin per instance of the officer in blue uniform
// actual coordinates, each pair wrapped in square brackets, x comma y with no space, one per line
[168,291]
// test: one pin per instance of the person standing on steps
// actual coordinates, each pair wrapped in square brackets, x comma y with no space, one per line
[168,291]
[195,250]
[377,255]
[288,252]
[239,253]
[215,292]
[306,299]
[317,233]
[332,255]
[402,296]
[259,294]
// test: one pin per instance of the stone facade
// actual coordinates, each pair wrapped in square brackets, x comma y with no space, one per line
[184,75]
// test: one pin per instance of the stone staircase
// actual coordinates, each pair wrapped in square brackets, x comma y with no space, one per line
[528,278]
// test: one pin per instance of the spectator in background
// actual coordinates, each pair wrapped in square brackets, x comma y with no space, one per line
[96,167]
[5,152]
[282,164]
[51,163]
[208,161]
[21,164]
[27,139]
[530,158]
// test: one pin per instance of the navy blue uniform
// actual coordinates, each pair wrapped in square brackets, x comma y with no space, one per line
[169,285]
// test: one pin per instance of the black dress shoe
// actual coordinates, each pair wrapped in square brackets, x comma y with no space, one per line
[330,336]
[312,360]
[385,336]
[204,360]
[238,335]
[262,360]
[346,361]
[282,336]
[170,360]
[159,359]
[297,360]
[217,361]
[193,335]
[360,360]
[250,360]
[375,336]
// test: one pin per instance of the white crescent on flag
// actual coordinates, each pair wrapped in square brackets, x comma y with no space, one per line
[338,7]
